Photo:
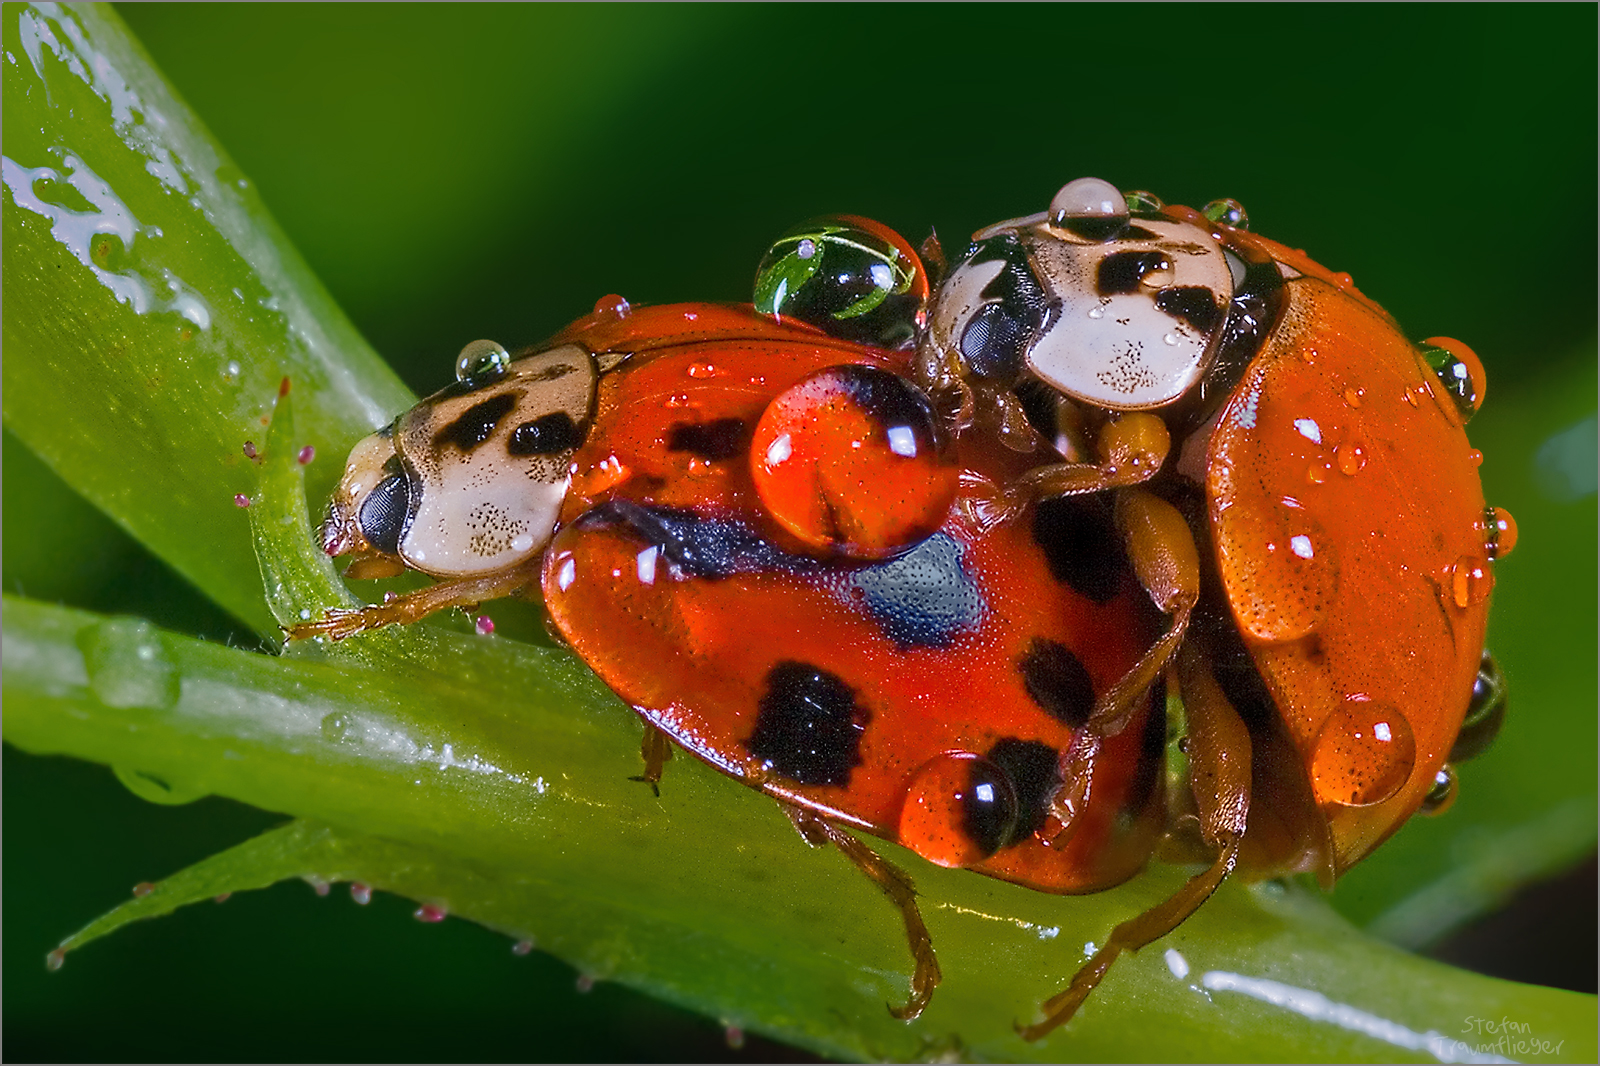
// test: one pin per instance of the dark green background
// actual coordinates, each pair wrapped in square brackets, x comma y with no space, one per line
[460,172]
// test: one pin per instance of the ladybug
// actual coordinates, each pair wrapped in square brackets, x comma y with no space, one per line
[805,540]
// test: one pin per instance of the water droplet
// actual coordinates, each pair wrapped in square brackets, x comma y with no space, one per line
[482,361]
[1460,372]
[1475,457]
[1317,473]
[143,889]
[1442,796]
[1089,207]
[241,500]
[128,665]
[522,947]
[336,726]
[1353,394]
[1280,569]
[249,449]
[702,370]
[430,912]
[361,893]
[1351,457]
[1501,530]
[318,885]
[1470,580]
[1486,712]
[390,596]
[233,370]
[157,788]
[1228,212]
[484,625]
[305,455]
[613,305]
[1411,397]
[1169,339]
[1364,754]
[806,249]
[1344,281]
[1141,202]
[56,959]
[959,809]
[733,1036]
[1097,312]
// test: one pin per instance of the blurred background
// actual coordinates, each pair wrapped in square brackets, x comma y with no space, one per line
[456,172]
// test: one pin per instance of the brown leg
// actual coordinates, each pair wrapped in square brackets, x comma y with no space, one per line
[1219,774]
[655,749]
[338,623]
[818,831]
[1132,449]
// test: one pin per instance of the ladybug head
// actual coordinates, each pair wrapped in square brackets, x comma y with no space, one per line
[1106,298]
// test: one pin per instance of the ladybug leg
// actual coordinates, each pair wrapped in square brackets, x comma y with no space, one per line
[338,622]
[1219,768]
[1132,448]
[1161,547]
[819,832]
[655,749]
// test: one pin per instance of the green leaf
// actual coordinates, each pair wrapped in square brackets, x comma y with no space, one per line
[490,776]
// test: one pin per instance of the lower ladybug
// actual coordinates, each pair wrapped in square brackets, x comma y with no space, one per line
[804,568]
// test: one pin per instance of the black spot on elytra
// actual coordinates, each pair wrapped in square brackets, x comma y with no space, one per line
[550,434]
[924,598]
[1194,304]
[988,817]
[1035,772]
[809,726]
[697,545]
[721,438]
[1152,751]
[1058,682]
[1120,272]
[1081,543]
[477,422]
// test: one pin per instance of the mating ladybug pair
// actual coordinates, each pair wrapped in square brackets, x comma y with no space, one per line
[926,555]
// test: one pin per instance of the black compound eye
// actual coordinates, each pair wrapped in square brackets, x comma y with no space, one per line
[383,513]
[993,343]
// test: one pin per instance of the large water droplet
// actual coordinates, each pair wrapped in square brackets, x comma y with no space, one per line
[157,788]
[1486,712]
[1280,567]
[960,809]
[482,361]
[336,726]
[128,664]
[1460,372]
[1364,754]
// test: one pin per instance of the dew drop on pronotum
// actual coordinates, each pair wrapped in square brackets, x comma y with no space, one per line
[1363,754]
[482,360]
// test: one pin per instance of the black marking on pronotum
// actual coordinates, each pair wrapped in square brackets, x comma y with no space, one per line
[808,725]
[477,422]
[1252,313]
[550,434]
[1194,304]
[988,815]
[1058,682]
[1081,544]
[1034,768]
[1152,751]
[697,545]
[1121,272]
[924,598]
[721,438]
[996,338]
